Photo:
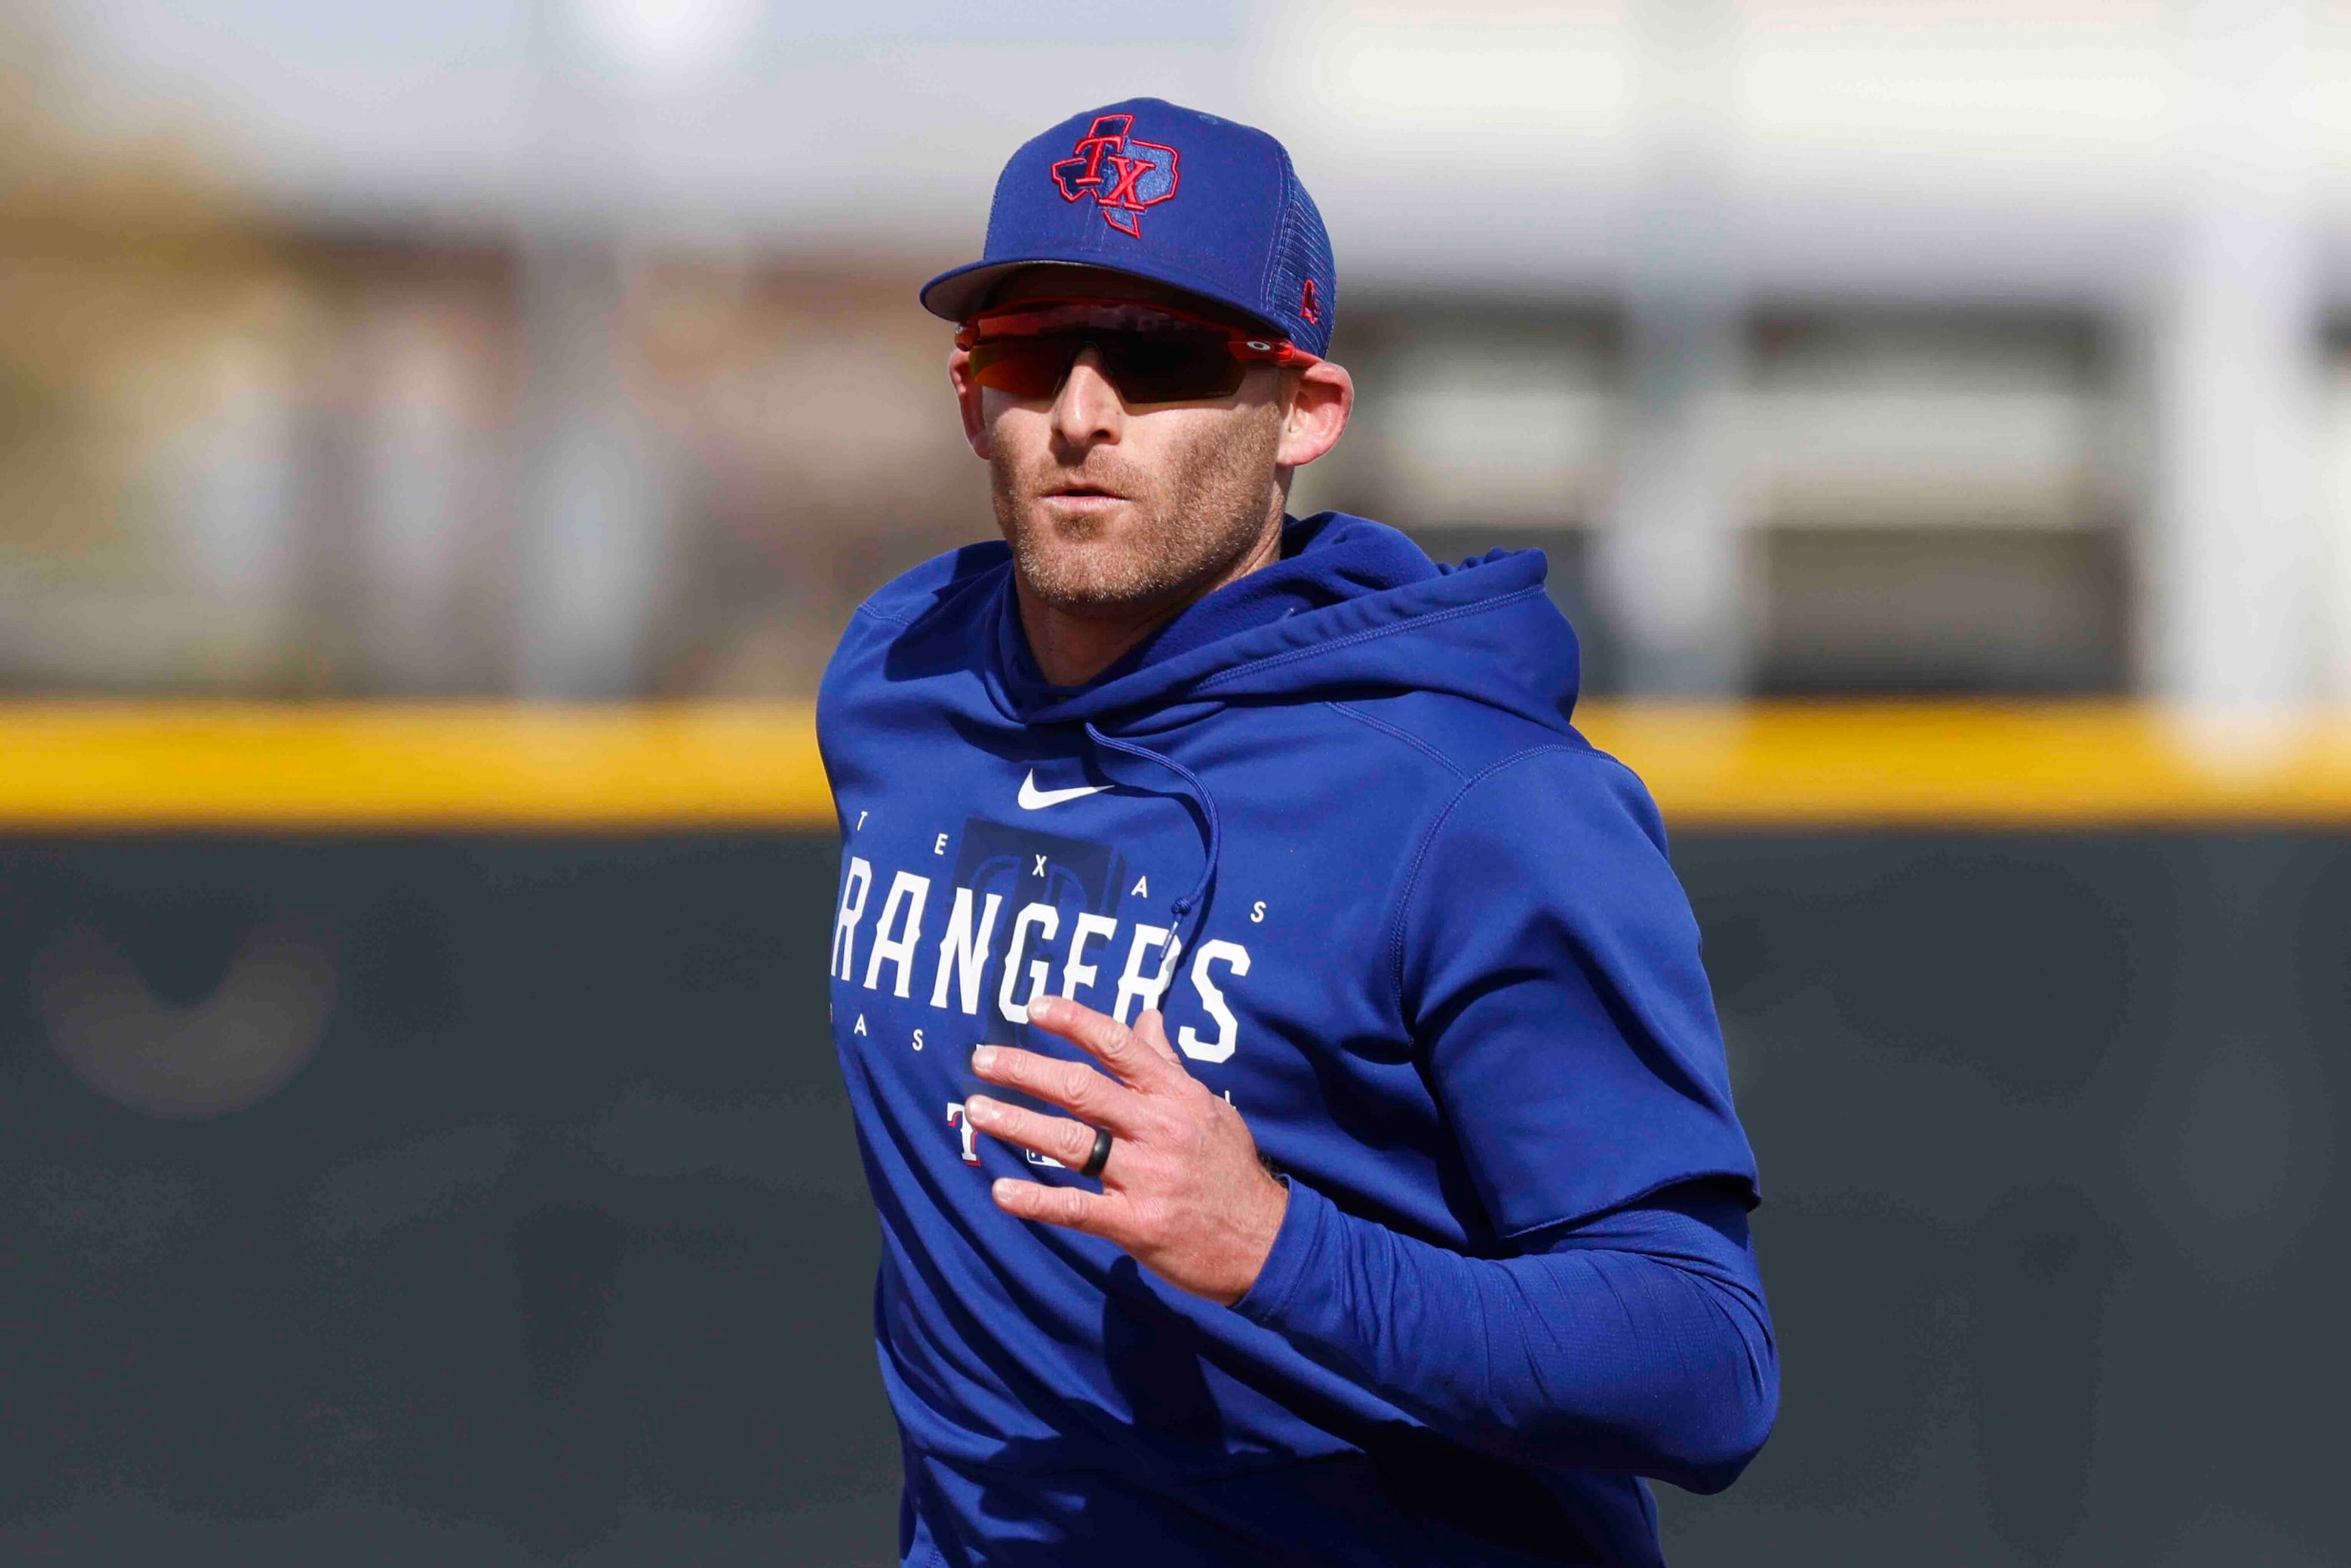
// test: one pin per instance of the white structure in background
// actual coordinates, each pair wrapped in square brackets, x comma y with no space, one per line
[673,42]
[592,503]
[596,497]
[2233,544]
[1671,562]
[2335,542]
[234,480]
[419,466]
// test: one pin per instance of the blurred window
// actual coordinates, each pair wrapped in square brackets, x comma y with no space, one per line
[1463,421]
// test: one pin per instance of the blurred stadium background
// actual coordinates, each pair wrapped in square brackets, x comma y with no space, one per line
[439,444]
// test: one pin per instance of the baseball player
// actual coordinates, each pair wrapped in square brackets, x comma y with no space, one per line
[1278,1042]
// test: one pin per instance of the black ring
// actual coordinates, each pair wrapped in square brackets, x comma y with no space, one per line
[1100,1158]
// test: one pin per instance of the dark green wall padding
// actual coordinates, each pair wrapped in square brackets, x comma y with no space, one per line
[558,1247]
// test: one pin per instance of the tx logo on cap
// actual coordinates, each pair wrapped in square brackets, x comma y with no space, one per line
[1123,174]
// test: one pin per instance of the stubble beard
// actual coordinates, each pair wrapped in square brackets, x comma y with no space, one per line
[1184,526]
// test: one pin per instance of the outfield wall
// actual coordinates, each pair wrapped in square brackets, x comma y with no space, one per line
[407,1194]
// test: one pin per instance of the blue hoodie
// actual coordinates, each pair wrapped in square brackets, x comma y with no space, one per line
[1334,821]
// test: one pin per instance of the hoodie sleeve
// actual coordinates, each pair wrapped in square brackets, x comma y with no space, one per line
[1547,962]
[1549,965]
[1637,1341]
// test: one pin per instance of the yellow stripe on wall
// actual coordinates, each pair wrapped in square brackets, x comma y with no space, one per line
[2047,764]
[105,766]
[98,766]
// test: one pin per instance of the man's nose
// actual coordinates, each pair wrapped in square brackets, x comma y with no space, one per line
[1087,409]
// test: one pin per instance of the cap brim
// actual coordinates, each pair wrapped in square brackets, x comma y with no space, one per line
[952,296]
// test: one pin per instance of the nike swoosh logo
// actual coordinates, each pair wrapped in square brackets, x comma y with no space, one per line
[1035,799]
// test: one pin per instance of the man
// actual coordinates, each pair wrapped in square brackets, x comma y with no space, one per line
[1278,1045]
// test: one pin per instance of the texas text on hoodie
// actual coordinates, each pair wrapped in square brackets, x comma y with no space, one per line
[1333,821]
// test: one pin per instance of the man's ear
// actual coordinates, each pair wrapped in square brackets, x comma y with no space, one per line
[1317,416]
[968,401]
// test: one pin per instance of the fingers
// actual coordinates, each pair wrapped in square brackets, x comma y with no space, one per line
[1107,1041]
[1071,1207]
[1072,1085]
[1072,1143]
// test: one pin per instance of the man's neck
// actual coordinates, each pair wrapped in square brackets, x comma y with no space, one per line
[1071,649]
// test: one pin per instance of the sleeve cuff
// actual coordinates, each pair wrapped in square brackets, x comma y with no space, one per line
[1291,1262]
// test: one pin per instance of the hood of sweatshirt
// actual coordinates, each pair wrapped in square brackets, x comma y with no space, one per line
[1352,606]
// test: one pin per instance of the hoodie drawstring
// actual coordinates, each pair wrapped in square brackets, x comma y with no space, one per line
[1193,901]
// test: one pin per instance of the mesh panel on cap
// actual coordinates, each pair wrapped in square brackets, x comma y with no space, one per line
[1301,252]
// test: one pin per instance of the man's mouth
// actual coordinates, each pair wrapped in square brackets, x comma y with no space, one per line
[1081,492]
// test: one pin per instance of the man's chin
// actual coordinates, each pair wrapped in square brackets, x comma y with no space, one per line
[1096,597]
[1093,578]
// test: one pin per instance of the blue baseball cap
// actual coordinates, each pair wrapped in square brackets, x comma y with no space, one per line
[1156,191]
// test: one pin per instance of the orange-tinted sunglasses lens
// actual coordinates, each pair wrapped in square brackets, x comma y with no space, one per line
[1145,367]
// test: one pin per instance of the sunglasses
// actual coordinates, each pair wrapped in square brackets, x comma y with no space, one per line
[1151,353]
